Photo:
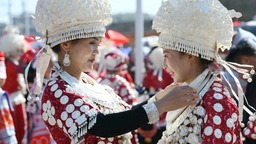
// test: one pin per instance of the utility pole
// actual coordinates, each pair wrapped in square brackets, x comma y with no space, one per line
[26,18]
[139,34]
[10,12]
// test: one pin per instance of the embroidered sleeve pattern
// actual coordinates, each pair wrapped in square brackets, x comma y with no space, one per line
[69,112]
[221,124]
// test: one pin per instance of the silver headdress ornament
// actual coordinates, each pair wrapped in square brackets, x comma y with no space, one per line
[200,28]
[64,20]
[68,20]
[194,26]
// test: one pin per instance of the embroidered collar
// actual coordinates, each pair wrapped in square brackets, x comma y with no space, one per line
[99,94]
[202,83]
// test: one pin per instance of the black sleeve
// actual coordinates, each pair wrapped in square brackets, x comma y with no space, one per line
[146,127]
[119,123]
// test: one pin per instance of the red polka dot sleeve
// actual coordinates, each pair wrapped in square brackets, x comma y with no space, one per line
[221,124]
[66,114]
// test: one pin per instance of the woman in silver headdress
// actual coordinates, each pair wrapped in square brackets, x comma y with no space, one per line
[75,108]
[191,33]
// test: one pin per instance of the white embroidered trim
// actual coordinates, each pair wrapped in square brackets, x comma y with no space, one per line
[88,91]
[152,112]
[77,33]
[105,107]
[82,129]
[182,117]
[191,47]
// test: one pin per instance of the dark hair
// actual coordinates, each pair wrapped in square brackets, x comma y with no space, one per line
[246,47]
[56,48]
[203,61]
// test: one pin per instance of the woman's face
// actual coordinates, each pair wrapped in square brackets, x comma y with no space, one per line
[177,65]
[82,53]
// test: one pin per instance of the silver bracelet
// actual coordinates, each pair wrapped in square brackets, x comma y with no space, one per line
[152,99]
[152,112]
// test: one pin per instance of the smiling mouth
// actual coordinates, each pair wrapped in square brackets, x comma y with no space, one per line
[91,60]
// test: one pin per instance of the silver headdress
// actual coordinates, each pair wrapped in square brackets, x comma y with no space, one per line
[199,28]
[64,20]
[194,26]
[68,20]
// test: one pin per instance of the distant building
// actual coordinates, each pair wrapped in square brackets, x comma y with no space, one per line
[20,21]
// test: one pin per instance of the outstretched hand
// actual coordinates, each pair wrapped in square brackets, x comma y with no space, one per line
[169,88]
[174,97]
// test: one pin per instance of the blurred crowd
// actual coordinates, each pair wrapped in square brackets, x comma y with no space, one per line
[20,118]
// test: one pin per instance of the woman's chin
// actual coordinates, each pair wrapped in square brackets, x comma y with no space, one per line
[177,80]
[88,68]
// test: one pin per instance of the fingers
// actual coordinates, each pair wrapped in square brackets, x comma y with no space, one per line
[188,95]
[182,86]
[188,89]
[182,102]
[181,91]
[177,100]
[176,84]
[179,96]
[190,99]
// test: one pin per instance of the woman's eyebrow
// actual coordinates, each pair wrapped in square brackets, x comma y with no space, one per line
[95,38]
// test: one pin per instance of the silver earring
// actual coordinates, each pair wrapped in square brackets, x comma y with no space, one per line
[252,72]
[66,60]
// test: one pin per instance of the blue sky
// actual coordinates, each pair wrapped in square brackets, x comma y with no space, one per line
[118,6]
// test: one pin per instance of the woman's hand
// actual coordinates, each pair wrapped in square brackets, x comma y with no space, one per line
[169,88]
[176,97]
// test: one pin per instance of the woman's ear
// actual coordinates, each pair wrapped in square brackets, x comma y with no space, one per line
[65,45]
[190,58]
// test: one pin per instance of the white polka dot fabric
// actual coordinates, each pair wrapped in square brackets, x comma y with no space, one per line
[216,118]
[250,129]
[221,125]
[66,113]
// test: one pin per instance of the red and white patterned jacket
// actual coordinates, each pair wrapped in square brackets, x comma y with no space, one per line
[213,121]
[70,107]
